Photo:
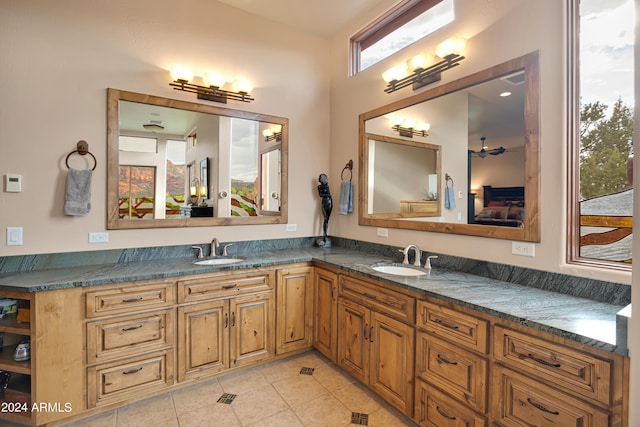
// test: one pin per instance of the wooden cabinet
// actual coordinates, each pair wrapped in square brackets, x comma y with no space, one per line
[377,350]
[435,409]
[294,309]
[325,306]
[427,207]
[233,327]
[130,343]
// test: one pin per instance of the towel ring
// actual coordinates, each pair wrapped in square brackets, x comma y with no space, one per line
[349,166]
[82,148]
[447,179]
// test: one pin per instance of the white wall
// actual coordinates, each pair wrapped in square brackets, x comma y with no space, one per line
[527,27]
[59,58]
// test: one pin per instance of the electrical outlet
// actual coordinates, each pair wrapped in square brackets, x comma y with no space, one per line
[101,237]
[523,249]
[382,232]
[292,227]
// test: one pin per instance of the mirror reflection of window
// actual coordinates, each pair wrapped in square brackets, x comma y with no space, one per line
[270,181]
[136,192]
[175,178]
[244,167]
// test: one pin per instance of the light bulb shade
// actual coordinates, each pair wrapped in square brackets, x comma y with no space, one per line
[454,45]
[181,72]
[410,123]
[423,127]
[397,121]
[267,133]
[395,73]
[242,85]
[213,79]
[417,62]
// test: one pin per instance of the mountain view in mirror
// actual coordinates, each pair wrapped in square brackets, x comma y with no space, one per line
[175,164]
[483,129]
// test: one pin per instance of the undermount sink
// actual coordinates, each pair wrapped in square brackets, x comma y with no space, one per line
[219,260]
[399,269]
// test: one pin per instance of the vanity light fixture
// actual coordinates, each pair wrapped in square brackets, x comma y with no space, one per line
[418,74]
[274,133]
[408,127]
[213,89]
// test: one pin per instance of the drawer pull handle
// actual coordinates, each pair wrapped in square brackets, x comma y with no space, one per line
[133,328]
[541,408]
[226,320]
[132,371]
[370,296]
[446,325]
[233,318]
[543,362]
[132,299]
[371,334]
[443,360]
[365,331]
[229,286]
[449,417]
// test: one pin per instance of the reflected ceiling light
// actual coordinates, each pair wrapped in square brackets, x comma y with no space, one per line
[505,94]
[213,86]
[410,127]
[153,126]
[485,150]
[274,133]
[450,52]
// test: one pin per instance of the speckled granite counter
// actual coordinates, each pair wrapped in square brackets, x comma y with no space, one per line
[576,318]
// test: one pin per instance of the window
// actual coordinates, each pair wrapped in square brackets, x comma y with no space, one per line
[601,117]
[136,191]
[401,26]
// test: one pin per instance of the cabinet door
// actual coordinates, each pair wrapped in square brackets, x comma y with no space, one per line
[294,309]
[252,323]
[354,328]
[203,339]
[325,307]
[391,368]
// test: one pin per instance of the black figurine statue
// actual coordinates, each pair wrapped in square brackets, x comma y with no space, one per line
[327,205]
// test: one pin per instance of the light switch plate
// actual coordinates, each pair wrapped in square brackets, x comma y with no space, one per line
[14,236]
[12,183]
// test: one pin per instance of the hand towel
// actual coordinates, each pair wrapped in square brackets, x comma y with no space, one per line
[449,198]
[346,198]
[78,196]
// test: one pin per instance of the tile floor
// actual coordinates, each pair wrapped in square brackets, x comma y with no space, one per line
[275,394]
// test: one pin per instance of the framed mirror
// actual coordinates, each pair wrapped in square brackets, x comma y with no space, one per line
[175,163]
[483,129]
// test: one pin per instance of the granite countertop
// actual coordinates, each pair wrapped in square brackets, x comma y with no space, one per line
[589,322]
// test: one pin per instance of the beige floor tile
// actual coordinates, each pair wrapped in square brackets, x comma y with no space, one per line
[216,415]
[331,377]
[196,396]
[389,417]
[323,411]
[358,399]
[242,382]
[299,389]
[104,419]
[258,404]
[280,369]
[150,412]
[281,419]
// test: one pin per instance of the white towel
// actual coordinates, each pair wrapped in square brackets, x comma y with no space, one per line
[346,198]
[449,198]
[78,196]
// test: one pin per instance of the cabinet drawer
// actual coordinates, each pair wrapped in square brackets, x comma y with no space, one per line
[461,373]
[224,285]
[435,409]
[128,299]
[460,328]
[121,380]
[394,304]
[108,339]
[521,401]
[555,363]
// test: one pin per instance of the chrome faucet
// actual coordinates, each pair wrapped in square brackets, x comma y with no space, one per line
[215,244]
[418,255]
[199,248]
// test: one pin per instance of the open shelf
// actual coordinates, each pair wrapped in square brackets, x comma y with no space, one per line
[12,326]
[8,364]
[18,394]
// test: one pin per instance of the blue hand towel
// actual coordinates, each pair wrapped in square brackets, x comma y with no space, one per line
[346,198]
[449,198]
[78,196]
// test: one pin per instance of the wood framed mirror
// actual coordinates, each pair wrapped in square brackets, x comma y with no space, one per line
[486,126]
[175,163]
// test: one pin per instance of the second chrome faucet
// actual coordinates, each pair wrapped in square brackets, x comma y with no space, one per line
[418,256]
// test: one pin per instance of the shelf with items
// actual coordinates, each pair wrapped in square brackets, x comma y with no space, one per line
[7,362]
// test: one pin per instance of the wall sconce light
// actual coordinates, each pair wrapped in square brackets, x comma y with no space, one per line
[417,73]
[409,127]
[212,91]
[274,133]
[194,190]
